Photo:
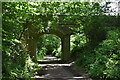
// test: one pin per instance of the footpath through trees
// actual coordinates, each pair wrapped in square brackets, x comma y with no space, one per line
[53,68]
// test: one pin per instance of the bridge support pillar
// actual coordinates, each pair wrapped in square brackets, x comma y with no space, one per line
[31,49]
[65,48]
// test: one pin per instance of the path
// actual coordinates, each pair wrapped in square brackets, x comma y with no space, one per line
[53,69]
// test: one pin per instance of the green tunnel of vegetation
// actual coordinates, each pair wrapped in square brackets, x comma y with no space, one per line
[95,45]
[49,44]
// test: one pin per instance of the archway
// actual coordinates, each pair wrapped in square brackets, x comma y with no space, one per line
[31,38]
[65,43]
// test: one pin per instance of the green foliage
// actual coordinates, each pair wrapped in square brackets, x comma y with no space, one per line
[48,45]
[104,62]
[57,52]
[16,63]
[98,53]
[14,69]
[51,42]
[78,41]
[95,30]
[41,53]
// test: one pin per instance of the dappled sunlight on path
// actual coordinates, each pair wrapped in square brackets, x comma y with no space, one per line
[53,70]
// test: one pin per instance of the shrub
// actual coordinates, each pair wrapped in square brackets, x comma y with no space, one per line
[78,41]
[104,61]
[16,63]
[41,53]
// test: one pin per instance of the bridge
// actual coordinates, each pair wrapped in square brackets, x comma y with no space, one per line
[62,30]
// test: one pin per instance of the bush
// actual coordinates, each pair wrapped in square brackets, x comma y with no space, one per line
[16,63]
[41,53]
[104,61]
[48,45]
[57,52]
[78,41]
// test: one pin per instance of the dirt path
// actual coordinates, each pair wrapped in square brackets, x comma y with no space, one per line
[53,70]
